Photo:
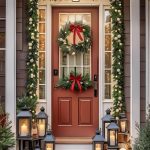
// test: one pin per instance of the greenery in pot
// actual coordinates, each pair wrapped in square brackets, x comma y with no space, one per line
[143,140]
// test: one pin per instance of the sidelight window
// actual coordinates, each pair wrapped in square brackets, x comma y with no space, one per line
[108,55]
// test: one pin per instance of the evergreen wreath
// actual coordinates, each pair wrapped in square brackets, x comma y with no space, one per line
[117,16]
[79,31]
[76,82]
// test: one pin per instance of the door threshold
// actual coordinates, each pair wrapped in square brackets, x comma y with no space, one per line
[73,140]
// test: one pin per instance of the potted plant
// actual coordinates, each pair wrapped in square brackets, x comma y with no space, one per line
[143,140]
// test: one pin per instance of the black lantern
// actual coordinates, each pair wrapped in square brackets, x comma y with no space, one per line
[49,141]
[98,141]
[105,122]
[123,123]
[24,123]
[112,130]
[42,120]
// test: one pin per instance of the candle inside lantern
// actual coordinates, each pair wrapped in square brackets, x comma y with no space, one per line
[123,126]
[24,130]
[112,138]
[49,147]
[106,125]
[41,128]
[98,147]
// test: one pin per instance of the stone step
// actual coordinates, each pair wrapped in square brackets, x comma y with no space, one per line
[73,147]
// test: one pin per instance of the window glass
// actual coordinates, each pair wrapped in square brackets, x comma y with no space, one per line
[108,55]
[81,63]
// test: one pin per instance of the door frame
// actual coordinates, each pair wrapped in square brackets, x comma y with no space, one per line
[103,104]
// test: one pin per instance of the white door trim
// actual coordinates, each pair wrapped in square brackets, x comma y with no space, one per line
[147,53]
[135,66]
[10,64]
[49,55]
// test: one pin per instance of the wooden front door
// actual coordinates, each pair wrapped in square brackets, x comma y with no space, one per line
[74,114]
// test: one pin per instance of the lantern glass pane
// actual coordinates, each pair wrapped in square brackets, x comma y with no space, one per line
[98,147]
[49,146]
[112,138]
[41,127]
[106,125]
[24,127]
[123,125]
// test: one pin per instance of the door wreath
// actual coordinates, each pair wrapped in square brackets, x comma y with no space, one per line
[74,38]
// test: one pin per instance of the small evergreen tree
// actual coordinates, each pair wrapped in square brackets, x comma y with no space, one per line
[143,141]
[6,136]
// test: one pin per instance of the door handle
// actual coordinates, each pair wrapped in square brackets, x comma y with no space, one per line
[95,85]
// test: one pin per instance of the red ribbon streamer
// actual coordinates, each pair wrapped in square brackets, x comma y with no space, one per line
[76,80]
[76,29]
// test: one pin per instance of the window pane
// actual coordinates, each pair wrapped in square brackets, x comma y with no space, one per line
[63,58]
[78,59]
[86,70]
[41,42]
[42,60]
[107,76]
[79,70]
[71,59]
[42,27]
[63,19]
[107,22]
[107,42]
[41,91]
[86,59]
[41,76]
[107,60]
[71,18]
[87,19]
[42,15]
[107,91]
[63,72]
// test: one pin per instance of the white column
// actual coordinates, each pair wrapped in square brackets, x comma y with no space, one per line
[10,82]
[49,64]
[135,66]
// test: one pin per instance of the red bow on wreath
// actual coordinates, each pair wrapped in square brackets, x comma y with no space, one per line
[76,29]
[76,80]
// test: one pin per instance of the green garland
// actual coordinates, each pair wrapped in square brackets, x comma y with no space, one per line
[32,54]
[70,48]
[118,56]
[67,82]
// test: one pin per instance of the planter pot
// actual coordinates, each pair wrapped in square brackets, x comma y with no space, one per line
[2,119]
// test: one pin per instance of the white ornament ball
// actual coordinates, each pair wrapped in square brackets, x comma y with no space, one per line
[119,98]
[115,38]
[30,19]
[32,75]
[30,47]
[73,53]
[118,19]
[118,70]
[120,44]
[119,36]
[117,110]
[31,60]
[117,118]
[115,10]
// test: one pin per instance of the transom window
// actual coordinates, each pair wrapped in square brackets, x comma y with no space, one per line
[81,63]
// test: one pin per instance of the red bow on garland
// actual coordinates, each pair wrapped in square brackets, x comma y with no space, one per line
[76,29]
[75,79]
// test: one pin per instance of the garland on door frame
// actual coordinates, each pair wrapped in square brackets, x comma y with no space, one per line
[32,54]
[74,38]
[118,56]
[76,82]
